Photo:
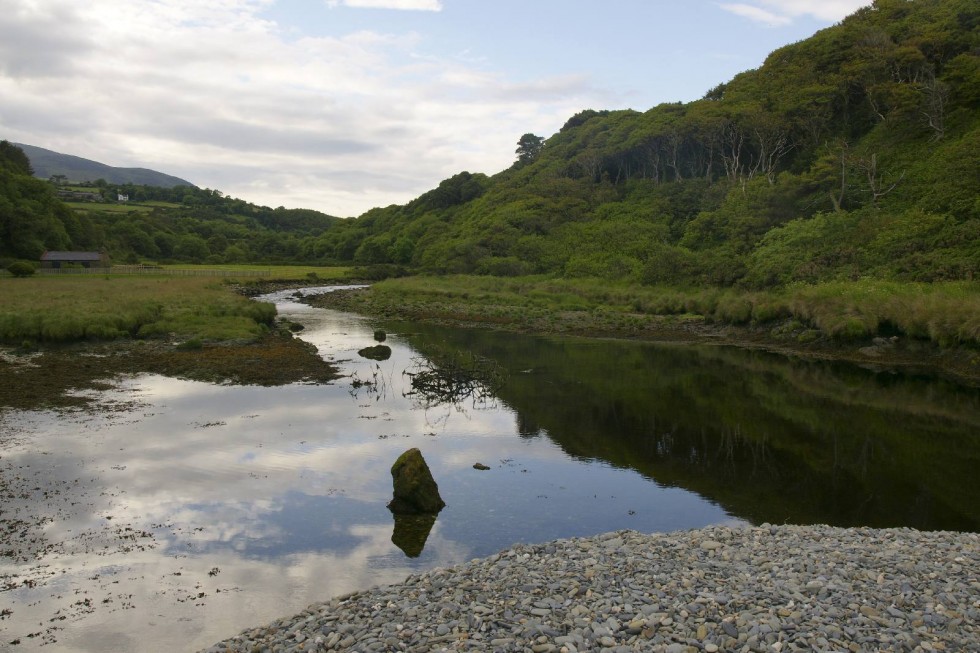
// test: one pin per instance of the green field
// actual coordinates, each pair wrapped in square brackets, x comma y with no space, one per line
[284,272]
[70,308]
[109,207]
[160,204]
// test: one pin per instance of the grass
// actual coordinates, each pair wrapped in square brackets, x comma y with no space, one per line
[161,204]
[109,207]
[947,314]
[59,309]
[283,272]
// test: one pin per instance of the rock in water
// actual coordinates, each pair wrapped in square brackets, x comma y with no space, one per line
[376,353]
[415,490]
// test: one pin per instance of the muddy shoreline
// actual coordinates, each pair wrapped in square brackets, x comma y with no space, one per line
[50,377]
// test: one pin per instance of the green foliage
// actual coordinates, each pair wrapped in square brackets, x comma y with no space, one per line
[67,309]
[851,155]
[13,159]
[528,148]
[944,313]
[20,269]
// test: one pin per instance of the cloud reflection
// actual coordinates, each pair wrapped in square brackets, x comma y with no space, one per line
[246,503]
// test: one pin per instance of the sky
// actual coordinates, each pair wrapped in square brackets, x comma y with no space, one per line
[346,105]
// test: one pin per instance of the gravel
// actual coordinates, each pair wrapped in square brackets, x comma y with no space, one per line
[769,588]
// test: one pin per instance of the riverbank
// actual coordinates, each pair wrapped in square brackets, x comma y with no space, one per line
[543,309]
[771,588]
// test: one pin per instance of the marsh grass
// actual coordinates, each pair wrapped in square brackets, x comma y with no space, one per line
[280,272]
[66,309]
[947,313]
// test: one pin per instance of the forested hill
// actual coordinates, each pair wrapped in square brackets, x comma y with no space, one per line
[854,153]
[47,163]
[178,224]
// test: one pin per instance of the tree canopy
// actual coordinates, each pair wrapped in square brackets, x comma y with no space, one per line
[850,154]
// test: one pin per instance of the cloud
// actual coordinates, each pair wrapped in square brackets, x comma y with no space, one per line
[40,42]
[217,94]
[778,13]
[405,5]
[757,14]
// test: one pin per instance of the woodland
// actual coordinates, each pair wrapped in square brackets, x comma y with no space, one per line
[851,155]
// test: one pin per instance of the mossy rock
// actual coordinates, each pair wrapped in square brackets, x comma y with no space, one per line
[376,353]
[415,491]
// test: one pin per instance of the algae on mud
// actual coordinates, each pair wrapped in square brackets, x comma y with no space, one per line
[48,377]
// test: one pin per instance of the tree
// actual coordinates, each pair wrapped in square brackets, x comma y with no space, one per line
[529,147]
[13,158]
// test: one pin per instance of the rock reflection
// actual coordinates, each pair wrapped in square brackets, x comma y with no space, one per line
[411,532]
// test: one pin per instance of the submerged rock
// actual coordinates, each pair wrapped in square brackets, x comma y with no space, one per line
[415,491]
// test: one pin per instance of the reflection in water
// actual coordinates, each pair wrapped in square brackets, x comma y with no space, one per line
[767,437]
[411,532]
[191,511]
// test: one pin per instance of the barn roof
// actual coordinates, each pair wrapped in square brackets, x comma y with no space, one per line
[71,256]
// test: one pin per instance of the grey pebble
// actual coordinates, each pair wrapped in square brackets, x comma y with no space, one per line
[773,588]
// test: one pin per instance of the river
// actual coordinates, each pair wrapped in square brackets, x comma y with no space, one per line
[179,513]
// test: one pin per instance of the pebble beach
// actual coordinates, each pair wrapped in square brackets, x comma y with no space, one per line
[766,588]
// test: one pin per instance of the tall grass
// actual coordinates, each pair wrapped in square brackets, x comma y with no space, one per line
[66,309]
[312,273]
[946,313]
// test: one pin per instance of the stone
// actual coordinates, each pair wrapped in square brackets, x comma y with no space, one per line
[480,466]
[415,491]
[376,353]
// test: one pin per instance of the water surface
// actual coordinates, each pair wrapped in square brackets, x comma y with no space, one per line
[183,512]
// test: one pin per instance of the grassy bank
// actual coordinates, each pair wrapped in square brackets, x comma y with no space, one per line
[947,314]
[935,325]
[93,328]
[310,273]
[71,308]
[60,309]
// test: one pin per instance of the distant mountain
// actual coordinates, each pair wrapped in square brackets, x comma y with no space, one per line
[47,163]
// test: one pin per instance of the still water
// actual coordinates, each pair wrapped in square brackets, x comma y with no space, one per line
[181,513]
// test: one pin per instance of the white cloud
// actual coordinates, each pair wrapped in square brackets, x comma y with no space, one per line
[777,13]
[757,14]
[405,5]
[216,94]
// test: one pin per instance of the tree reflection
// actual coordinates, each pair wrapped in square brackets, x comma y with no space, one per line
[459,377]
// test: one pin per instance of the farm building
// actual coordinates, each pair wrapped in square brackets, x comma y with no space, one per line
[55,260]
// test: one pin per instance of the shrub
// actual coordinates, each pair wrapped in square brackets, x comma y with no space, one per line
[20,269]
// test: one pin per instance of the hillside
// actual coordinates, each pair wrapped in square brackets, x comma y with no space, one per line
[46,164]
[177,224]
[852,154]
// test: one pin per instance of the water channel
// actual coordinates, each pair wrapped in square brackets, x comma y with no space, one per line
[180,513]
